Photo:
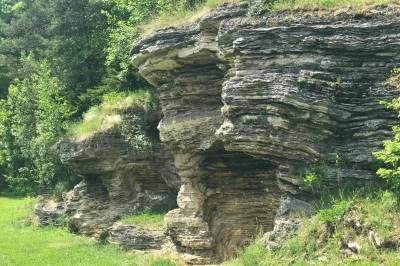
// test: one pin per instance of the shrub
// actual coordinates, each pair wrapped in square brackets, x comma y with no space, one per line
[314,181]
[336,212]
[390,155]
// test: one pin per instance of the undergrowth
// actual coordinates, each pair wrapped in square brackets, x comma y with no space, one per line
[320,239]
[102,117]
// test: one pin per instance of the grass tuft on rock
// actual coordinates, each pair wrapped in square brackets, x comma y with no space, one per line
[103,117]
[328,5]
[182,17]
[322,238]
[146,219]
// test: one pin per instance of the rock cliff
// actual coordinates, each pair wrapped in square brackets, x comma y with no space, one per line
[249,104]
[252,103]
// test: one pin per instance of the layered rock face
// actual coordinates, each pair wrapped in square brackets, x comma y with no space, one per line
[131,237]
[252,104]
[117,179]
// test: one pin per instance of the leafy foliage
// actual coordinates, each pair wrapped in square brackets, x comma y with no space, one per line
[336,212]
[390,155]
[73,36]
[314,181]
[86,46]
[32,118]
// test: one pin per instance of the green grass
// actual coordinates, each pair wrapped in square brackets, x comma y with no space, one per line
[328,5]
[27,245]
[313,244]
[147,220]
[105,116]
[182,17]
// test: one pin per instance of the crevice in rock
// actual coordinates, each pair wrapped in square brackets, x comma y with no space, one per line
[242,196]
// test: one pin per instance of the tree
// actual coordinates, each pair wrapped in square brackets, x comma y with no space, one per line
[32,119]
[73,34]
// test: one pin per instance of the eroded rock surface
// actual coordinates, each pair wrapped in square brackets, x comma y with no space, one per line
[49,212]
[118,179]
[287,221]
[136,238]
[252,103]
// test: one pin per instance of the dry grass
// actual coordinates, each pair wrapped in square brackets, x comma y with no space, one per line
[105,116]
[329,5]
[182,17]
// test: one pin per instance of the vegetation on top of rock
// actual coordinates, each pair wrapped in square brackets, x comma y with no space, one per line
[182,15]
[358,229]
[146,219]
[108,114]
[327,5]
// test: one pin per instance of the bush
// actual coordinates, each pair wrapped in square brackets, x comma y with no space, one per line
[336,212]
[390,155]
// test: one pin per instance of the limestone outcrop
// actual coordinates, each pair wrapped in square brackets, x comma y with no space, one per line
[49,212]
[252,103]
[132,237]
[118,179]
[249,104]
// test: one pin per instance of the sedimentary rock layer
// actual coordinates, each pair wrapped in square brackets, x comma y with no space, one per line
[118,179]
[251,104]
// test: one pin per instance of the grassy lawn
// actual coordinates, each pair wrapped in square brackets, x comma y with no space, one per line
[147,220]
[22,244]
